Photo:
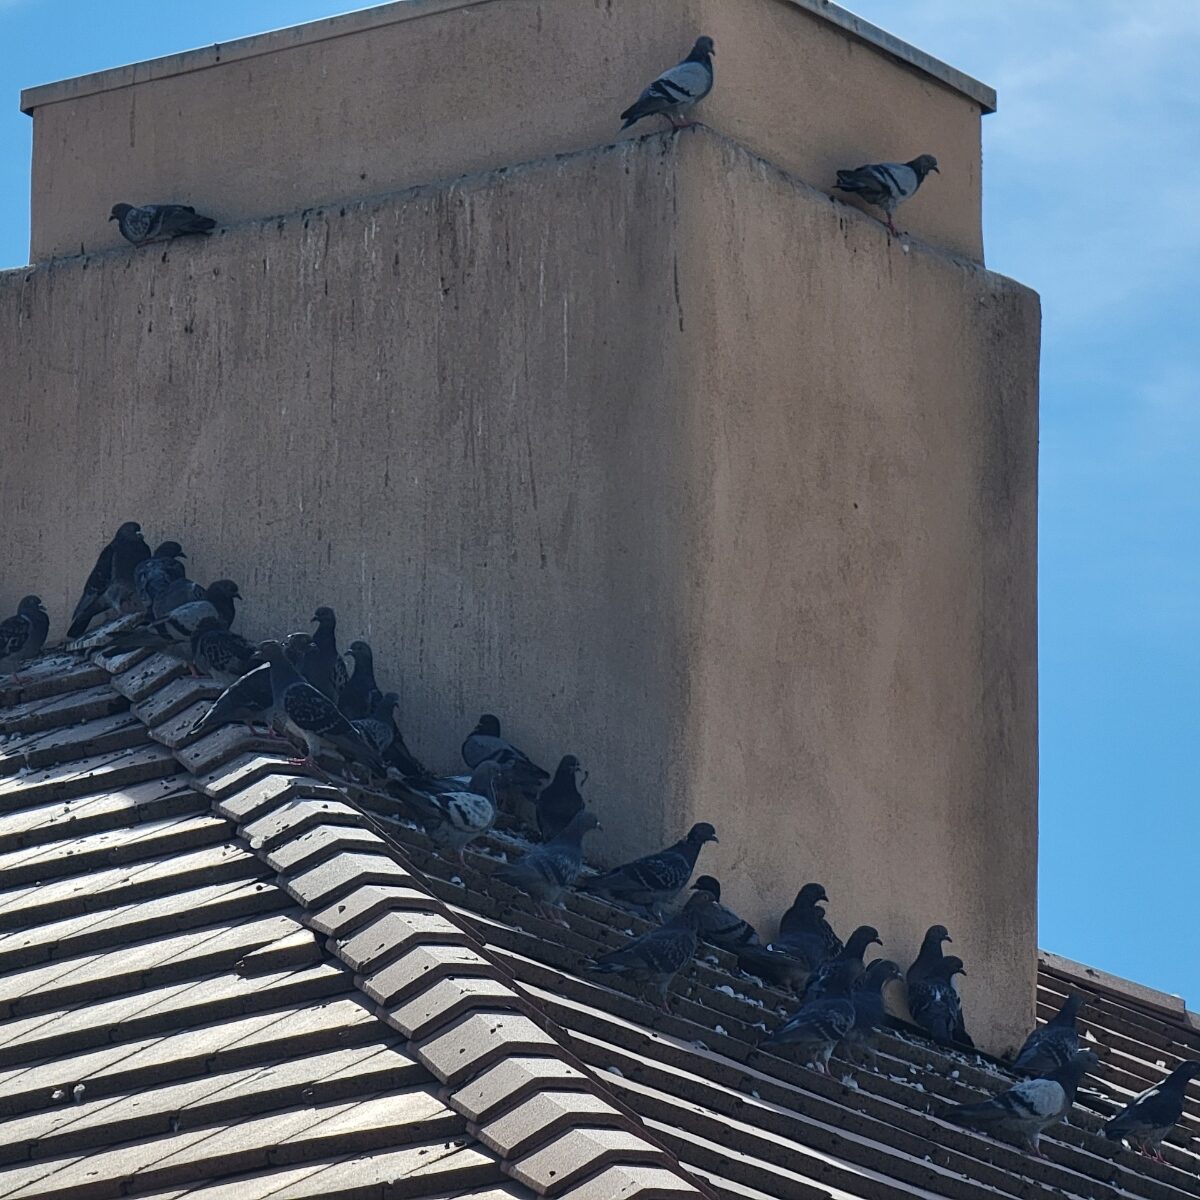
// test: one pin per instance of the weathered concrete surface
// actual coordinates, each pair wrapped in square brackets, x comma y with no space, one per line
[666,458]
[438,89]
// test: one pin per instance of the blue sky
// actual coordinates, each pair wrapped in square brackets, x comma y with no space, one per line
[1092,196]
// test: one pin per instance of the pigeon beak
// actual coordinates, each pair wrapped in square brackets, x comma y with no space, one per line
[112,216]
[714,838]
[181,553]
[935,170]
[948,938]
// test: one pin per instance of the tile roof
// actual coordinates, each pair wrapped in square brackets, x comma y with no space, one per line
[221,977]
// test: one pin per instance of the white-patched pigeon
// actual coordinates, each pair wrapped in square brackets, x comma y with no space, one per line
[886,185]
[1147,1120]
[454,819]
[676,90]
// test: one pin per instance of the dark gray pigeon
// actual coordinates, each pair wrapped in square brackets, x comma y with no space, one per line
[146,223]
[936,1005]
[817,1026]
[804,933]
[220,652]
[548,870]
[110,584]
[886,185]
[560,800]
[848,963]
[1146,1121]
[719,925]
[379,727]
[249,699]
[323,666]
[1024,1112]
[400,758]
[930,953]
[1054,1044]
[656,879]
[658,956]
[154,574]
[774,967]
[175,595]
[311,715]
[484,741]
[677,89]
[870,1009]
[361,693]
[454,819]
[23,635]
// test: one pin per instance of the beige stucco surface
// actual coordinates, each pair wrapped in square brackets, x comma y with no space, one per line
[652,450]
[447,89]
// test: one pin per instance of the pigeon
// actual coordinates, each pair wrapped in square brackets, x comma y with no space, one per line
[774,966]
[111,582]
[935,1004]
[1022,1113]
[659,955]
[173,633]
[1147,1120]
[158,222]
[887,185]
[309,713]
[23,635]
[154,574]
[656,879]
[218,651]
[930,953]
[549,869]
[819,1024]
[455,819]
[1052,1045]
[848,962]
[870,1009]
[249,699]
[378,728]
[676,90]
[720,925]
[400,757]
[804,933]
[323,666]
[361,693]
[484,741]
[175,595]
[560,800]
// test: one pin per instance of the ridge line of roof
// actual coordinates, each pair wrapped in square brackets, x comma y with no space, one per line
[1116,985]
[328,873]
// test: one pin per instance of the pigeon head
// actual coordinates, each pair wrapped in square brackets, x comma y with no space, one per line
[703,49]
[271,651]
[359,651]
[935,935]
[129,532]
[324,615]
[119,211]
[584,821]
[880,971]
[169,550]
[860,939]
[569,765]
[1071,1006]
[486,778]
[923,164]
[810,894]
[698,900]
[223,589]
[706,883]
[702,832]
[488,725]
[296,644]
[953,965]
[30,604]
[1189,1069]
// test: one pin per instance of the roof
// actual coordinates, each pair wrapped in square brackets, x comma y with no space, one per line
[406,10]
[224,978]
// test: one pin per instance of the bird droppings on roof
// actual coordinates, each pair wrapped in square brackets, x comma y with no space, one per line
[266,984]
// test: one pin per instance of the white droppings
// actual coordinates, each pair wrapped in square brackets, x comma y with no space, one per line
[721,1030]
[58,1094]
[456,881]
[725,990]
[77,1091]
[755,1096]
[953,1074]
[615,1071]
[850,1082]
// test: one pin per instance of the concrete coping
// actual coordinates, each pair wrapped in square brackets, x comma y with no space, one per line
[407,10]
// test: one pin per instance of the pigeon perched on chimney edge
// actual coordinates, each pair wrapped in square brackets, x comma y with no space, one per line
[676,89]
[887,185]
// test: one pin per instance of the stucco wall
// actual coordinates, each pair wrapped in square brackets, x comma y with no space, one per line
[650,449]
[440,90]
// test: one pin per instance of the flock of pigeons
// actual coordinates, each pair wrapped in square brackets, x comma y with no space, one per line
[304,693]
[884,185]
[301,686]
